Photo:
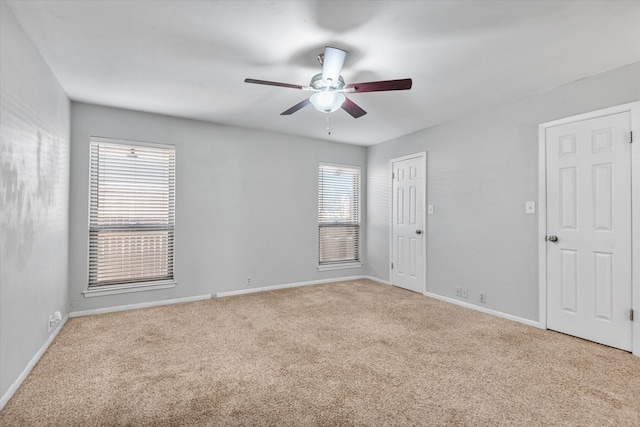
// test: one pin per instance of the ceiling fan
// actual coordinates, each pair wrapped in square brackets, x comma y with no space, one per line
[330,88]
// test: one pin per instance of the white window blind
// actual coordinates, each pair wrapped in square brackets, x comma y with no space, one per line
[339,214]
[131,213]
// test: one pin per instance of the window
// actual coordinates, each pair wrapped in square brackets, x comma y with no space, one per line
[131,214]
[338,216]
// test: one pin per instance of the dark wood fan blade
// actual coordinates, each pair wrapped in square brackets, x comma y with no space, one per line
[402,84]
[352,108]
[298,106]
[265,82]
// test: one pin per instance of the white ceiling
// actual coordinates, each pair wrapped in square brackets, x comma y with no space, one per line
[190,58]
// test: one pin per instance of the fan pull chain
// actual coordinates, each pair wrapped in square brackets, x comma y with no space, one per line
[328,124]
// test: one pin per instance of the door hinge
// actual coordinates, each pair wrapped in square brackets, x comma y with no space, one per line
[393,175]
[392,266]
[630,137]
[631,314]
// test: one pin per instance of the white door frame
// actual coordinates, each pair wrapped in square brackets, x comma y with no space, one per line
[423,155]
[634,109]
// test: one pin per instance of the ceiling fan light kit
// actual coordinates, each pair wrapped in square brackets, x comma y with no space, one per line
[327,102]
[329,86]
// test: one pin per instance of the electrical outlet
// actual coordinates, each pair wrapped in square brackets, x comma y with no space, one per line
[465,293]
[54,319]
[483,297]
[458,292]
[249,281]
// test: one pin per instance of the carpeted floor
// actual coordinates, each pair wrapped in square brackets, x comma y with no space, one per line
[349,353]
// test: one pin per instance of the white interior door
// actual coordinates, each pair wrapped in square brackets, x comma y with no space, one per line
[589,229]
[407,219]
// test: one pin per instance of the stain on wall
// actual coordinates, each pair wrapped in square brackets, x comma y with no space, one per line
[30,156]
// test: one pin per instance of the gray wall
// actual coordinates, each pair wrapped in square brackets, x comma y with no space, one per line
[34,156]
[480,171]
[246,203]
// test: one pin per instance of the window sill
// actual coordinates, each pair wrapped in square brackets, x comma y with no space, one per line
[124,289]
[328,267]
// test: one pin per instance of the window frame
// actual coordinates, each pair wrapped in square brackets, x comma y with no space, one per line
[347,264]
[138,285]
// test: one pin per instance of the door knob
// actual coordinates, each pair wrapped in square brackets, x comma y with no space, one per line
[552,238]
[418,231]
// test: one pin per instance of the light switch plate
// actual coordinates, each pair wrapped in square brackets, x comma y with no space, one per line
[530,207]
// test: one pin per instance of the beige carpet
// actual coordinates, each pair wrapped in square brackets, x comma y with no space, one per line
[349,353]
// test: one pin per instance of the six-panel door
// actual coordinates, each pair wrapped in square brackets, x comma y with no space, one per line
[589,211]
[407,223]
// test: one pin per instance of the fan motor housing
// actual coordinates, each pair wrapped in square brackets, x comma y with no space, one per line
[318,84]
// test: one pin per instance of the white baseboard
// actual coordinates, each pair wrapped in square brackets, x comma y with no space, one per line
[288,285]
[485,310]
[219,294]
[375,279]
[471,306]
[136,306]
[25,372]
